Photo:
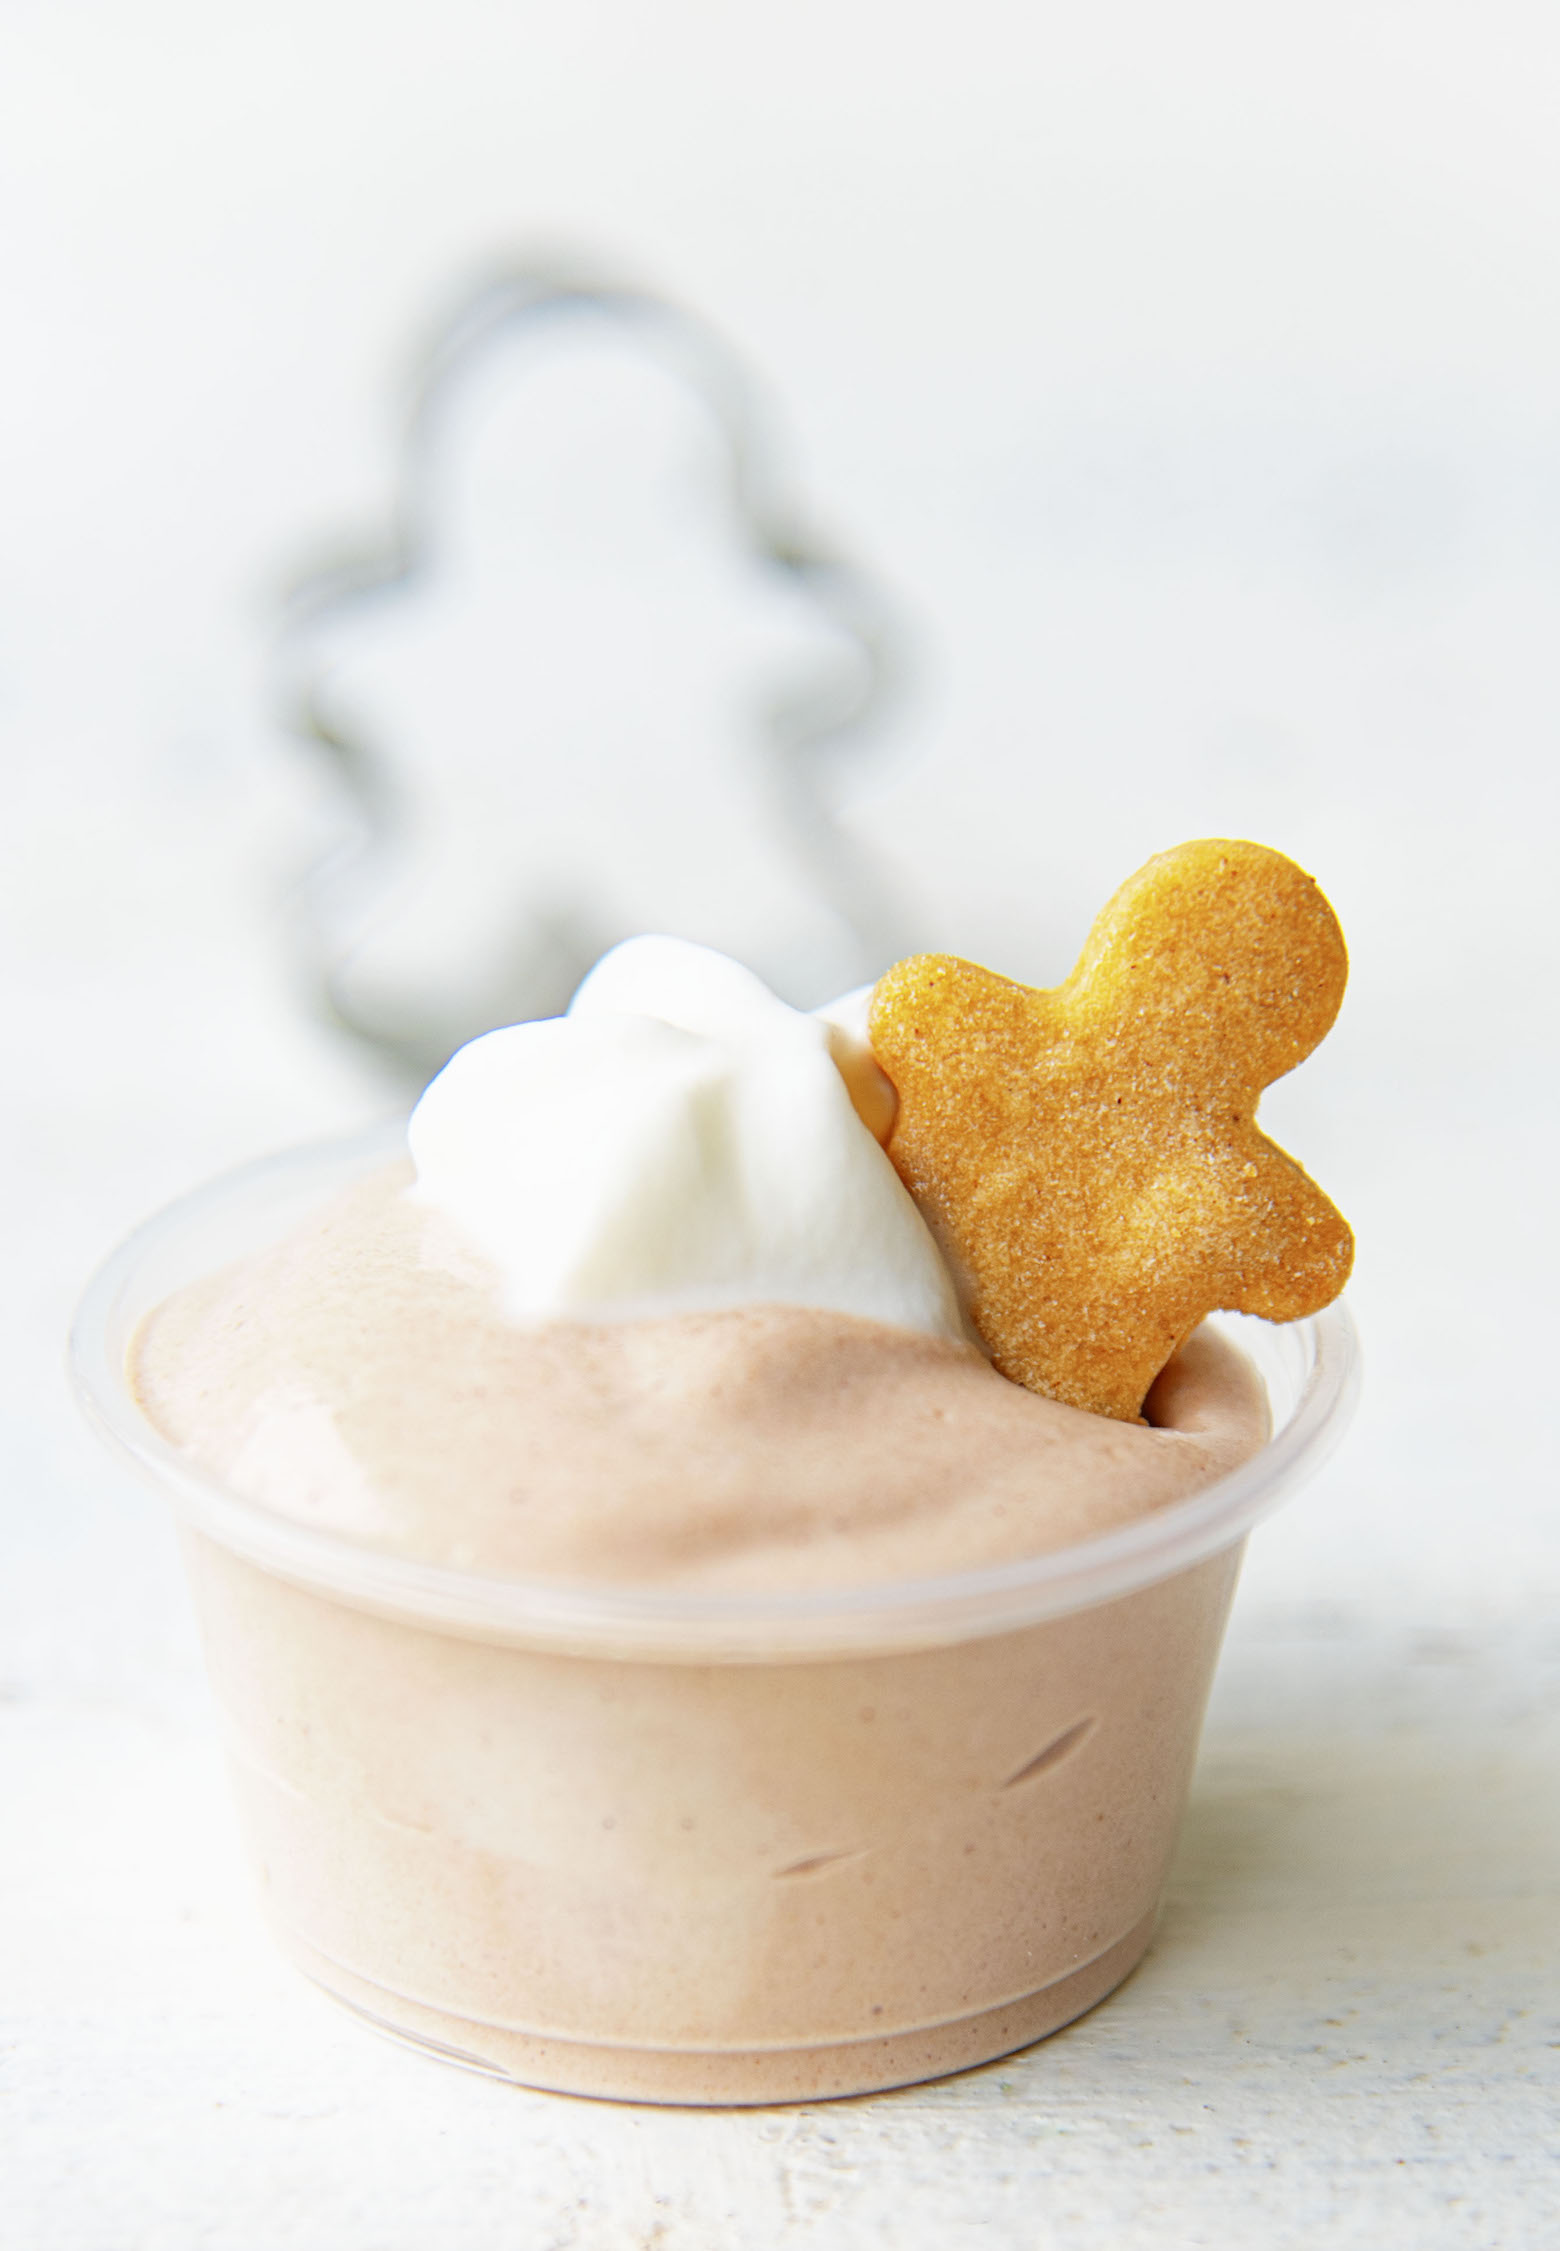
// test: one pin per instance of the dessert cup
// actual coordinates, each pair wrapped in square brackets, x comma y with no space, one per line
[671,1847]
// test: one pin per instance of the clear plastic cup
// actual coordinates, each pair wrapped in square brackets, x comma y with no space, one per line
[688,1848]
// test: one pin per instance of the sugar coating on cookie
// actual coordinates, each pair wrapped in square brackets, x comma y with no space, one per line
[1088,1157]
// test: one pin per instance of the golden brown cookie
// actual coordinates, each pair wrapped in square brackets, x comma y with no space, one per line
[1088,1157]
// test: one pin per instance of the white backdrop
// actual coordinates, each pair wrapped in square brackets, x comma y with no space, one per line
[1189,377]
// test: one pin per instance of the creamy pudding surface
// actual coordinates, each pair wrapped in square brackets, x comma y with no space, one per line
[362,1377]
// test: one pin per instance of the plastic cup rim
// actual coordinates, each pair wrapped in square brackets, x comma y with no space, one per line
[630,1622]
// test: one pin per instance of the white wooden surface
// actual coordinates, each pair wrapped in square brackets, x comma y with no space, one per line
[1192,381]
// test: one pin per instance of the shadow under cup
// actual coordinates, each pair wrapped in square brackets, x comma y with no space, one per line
[701,1849]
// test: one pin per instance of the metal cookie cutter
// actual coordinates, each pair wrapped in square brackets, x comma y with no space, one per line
[803,732]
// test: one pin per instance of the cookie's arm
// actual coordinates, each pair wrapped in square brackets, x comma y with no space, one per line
[1291,1249]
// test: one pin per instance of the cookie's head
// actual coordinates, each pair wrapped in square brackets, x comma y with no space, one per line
[1220,953]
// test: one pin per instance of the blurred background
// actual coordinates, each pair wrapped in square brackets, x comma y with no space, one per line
[1179,387]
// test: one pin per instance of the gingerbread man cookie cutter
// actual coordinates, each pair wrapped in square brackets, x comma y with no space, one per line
[804,729]
[1089,1157]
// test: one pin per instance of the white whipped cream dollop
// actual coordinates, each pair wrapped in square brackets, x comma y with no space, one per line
[680,1139]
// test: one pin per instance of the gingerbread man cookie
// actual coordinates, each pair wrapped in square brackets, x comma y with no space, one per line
[1089,1158]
